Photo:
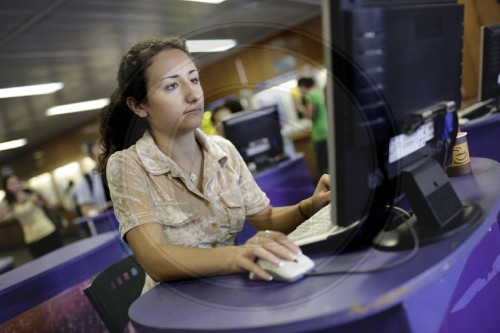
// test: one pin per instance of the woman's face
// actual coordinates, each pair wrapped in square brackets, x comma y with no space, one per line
[13,184]
[175,97]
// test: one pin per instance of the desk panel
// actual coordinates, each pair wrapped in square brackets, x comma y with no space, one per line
[422,295]
[38,280]
[475,301]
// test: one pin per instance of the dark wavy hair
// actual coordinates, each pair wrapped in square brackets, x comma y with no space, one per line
[9,196]
[306,82]
[120,127]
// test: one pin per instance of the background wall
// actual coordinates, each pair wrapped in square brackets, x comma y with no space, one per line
[261,62]
[51,155]
[292,48]
[477,13]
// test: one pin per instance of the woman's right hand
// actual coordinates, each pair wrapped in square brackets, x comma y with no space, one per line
[272,246]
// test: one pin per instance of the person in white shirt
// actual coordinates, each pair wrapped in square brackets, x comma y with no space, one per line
[91,195]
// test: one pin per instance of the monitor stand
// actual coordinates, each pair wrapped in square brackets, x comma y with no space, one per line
[438,212]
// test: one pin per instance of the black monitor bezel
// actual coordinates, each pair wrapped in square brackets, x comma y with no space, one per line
[252,122]
[488,88]
[392,191]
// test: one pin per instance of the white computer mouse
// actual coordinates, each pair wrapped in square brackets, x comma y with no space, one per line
[290,270]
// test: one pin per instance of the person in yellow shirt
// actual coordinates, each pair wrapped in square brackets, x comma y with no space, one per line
[40,233]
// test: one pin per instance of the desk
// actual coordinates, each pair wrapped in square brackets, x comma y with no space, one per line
[38,280]
[104,222]
[6,264]
[483,137]
[448,286]
[287,182]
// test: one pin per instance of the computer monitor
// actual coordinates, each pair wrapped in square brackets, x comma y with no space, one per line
[394,79]
[256,134]
[489,80]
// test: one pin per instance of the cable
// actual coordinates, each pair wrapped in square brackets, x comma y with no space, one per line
[395,263]
[402,211]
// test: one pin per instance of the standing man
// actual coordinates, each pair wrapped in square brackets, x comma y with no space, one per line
[92,197]
[314,108]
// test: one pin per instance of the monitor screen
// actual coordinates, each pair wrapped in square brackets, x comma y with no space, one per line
[394,86]
[489,81]
[257,136]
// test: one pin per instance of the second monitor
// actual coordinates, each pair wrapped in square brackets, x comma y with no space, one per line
[257,136]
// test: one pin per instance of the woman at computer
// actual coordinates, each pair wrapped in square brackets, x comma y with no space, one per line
[182,196]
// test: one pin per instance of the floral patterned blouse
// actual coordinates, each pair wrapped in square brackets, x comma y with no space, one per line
[147,186]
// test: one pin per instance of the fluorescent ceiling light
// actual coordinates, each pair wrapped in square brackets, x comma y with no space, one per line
[77,107]
[13,144]
[208,1]
[38,89]
[210,45]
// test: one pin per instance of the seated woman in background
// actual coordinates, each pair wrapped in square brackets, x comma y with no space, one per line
[220,114]
[40,233]
[223,112]
[180,195]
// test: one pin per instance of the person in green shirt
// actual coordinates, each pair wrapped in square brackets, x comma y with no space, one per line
[314,108]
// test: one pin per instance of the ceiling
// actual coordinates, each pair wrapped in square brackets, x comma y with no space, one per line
[80,42]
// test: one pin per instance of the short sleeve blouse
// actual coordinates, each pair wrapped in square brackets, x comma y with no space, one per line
[147,186]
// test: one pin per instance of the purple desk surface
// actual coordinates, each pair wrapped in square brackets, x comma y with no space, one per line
[40,279]
[449,286]
[286,183]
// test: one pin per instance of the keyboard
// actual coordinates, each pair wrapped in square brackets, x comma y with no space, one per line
[476,112]
[317,228]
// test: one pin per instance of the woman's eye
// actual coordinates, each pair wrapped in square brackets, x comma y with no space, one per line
[195,80]
[172,86]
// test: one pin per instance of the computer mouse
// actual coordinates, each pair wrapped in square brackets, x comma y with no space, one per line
[291,270]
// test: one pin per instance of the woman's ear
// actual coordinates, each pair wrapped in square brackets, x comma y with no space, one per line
[136,107]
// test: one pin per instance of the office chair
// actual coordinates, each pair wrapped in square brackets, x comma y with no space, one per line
[113,290]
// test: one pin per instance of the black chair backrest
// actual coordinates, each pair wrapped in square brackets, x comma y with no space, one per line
[113,290]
